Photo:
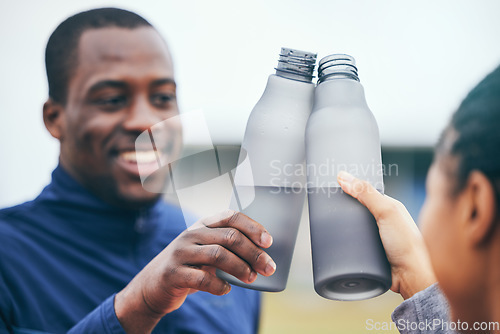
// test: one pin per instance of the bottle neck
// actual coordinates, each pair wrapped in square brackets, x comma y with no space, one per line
[296,65]
[340,93]
[337,66]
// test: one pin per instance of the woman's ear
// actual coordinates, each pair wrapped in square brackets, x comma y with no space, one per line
[53,117]
[482,211]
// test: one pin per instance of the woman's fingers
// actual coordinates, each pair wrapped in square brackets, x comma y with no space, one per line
[402,241]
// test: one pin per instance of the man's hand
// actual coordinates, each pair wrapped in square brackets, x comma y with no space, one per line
[410,264]
[230,242]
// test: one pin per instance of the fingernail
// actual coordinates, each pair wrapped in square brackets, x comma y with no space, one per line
[266,239]
[252,277]
[228,288]
[345,177]
[270,267]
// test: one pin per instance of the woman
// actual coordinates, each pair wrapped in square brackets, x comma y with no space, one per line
[460,225]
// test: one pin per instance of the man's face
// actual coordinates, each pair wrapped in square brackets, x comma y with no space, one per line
[123,85]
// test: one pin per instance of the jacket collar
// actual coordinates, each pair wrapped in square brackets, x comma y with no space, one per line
[66,192]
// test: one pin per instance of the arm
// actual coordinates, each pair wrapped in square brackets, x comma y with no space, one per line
[101,320]
[425,308]
[230,242]
[425,312]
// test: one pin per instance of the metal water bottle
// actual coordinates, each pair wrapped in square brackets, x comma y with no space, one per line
[269,183]
[349,262]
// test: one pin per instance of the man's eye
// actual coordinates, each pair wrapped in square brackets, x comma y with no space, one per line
[162,100]
[113,102]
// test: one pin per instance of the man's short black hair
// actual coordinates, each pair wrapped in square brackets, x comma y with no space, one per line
[61,53]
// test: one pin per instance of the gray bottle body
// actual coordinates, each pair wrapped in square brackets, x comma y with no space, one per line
[272,191]
[349,262]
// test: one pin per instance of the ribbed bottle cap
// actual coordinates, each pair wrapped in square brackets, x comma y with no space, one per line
[296,64]
[337,66]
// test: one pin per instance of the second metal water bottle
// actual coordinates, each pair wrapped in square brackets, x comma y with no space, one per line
[349,262]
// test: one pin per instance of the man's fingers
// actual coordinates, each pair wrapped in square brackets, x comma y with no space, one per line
[197,279]
[231,242]
[219,257]
[249,227]
[231,251]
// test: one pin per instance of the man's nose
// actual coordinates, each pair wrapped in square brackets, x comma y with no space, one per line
[141,116]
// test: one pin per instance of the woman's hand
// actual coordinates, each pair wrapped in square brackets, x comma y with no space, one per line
[410,264]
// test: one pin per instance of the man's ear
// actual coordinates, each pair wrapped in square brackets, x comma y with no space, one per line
[53,117]
[482,211]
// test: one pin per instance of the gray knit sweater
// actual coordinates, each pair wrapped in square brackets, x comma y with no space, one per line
[426,312]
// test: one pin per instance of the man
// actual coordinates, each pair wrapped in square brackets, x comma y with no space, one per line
[95,252]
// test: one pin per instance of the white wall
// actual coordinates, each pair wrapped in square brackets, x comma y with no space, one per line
[416,60]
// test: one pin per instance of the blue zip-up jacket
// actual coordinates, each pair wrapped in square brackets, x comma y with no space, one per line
[64,256]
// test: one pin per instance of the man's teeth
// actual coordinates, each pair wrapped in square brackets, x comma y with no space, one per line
[141,157]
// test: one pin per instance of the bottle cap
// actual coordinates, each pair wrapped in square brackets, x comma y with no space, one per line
[296,64]
[337,65]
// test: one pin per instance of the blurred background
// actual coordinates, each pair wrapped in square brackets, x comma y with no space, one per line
[416,60]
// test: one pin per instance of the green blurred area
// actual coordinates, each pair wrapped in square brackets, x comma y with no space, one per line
[302,311]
